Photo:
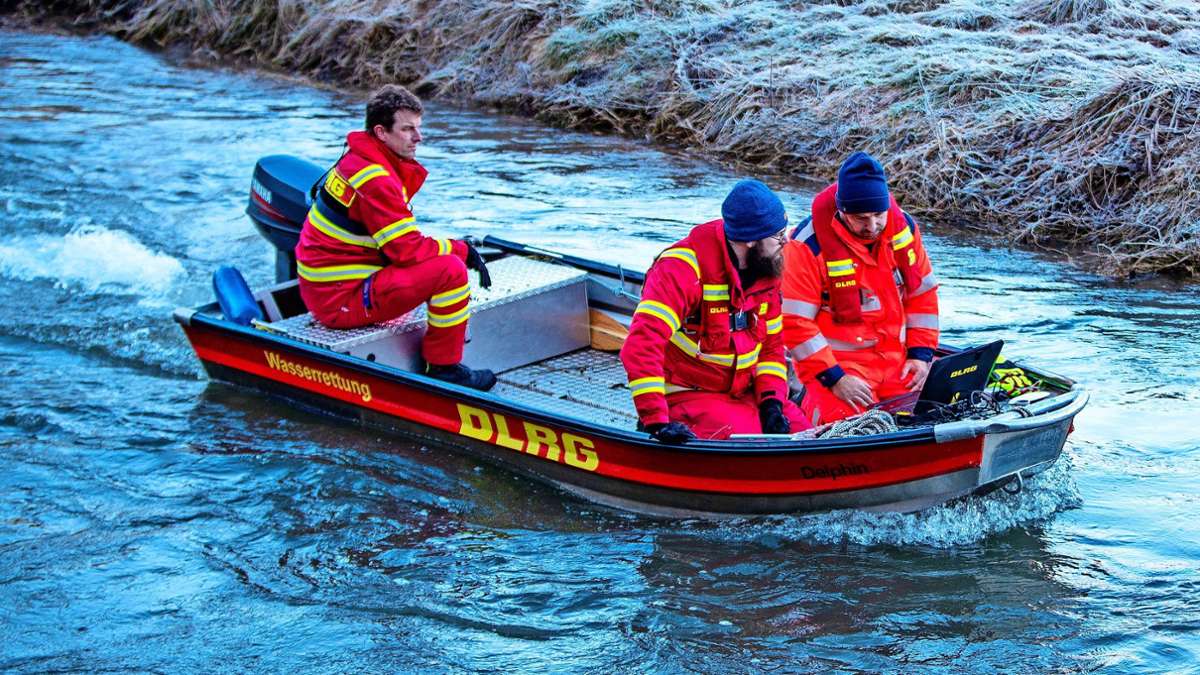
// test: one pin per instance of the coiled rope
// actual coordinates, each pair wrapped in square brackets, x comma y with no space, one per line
[871,422]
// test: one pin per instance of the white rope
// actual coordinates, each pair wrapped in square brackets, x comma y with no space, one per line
[871,422]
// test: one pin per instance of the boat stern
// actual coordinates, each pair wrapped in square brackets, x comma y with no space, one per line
[1022,442]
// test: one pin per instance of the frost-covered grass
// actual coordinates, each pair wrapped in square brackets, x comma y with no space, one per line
[1056,123]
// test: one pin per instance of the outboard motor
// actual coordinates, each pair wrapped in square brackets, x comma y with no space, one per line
[279,201]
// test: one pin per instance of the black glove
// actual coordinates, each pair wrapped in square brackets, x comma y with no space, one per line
[671,433]
[475,262]
[770,415]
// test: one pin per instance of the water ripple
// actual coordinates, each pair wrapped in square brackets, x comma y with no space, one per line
[151,521]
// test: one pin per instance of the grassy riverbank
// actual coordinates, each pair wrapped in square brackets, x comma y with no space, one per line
[1069,124]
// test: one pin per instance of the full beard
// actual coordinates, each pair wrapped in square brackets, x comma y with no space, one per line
[759,267]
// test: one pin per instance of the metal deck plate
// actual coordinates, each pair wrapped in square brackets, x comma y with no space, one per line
[514,278]
[586,384]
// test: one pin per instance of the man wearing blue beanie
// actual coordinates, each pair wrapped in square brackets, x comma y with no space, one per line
[860,297]
[704,353]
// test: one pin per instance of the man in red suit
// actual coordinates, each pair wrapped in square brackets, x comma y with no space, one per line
[362,258]
[704,356]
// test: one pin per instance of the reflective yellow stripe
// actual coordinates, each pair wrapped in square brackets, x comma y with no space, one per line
[646,380]
[444,247]
[840,268]
[719,359]
[771,368]
[336,272]
[450,297]
[647,385]
[397,229]
[747,360]
[370,171]
[903,239]
[716,292]
[775,326]
[658,309]
[326,227]
[689,347]
[685,254]
[684,343]
[448,320]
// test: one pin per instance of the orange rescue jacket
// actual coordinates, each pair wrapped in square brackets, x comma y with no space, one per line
[897,312]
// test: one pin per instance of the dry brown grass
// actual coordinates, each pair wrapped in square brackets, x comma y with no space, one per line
[1056,123]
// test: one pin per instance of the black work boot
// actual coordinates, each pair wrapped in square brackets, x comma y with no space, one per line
[462,375]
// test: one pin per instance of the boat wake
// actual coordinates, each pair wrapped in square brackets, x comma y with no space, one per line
[958,523]
[95,289]
[90,257]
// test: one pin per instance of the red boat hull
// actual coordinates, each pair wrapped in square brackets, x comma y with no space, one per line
[622,467]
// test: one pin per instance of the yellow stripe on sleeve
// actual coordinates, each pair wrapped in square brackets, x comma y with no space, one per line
[657,309]
[775,326]
[367,173]
[747,360]
[771,368]
[396,230]
[647,385]
[685,254]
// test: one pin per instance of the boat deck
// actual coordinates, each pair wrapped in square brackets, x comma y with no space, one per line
[587,384]
[555,373]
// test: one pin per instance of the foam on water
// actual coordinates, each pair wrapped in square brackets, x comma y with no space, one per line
[962,522]
[90,257]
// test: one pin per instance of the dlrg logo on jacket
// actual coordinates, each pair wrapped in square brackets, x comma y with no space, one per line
[339,188]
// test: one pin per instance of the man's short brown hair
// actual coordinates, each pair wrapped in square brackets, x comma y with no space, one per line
[384,103]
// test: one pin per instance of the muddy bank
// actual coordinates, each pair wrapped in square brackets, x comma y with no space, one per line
[1053,123]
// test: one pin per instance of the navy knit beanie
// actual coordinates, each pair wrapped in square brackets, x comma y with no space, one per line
[862,187]
[752,212]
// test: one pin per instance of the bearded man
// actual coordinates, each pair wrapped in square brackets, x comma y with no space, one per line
[704,355]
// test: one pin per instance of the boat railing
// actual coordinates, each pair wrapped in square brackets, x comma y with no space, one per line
[1044,413]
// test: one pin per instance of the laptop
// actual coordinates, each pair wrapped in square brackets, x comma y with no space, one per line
[952,378]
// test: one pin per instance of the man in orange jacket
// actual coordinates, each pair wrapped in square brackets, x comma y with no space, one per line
[860,304]
[704,355]
[361,258]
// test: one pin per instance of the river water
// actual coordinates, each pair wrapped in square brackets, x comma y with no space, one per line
[152,520]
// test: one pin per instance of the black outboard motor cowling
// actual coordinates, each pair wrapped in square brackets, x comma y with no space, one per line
[279,201]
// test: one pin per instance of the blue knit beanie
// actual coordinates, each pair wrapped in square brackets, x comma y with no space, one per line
[752,212]
[862,187]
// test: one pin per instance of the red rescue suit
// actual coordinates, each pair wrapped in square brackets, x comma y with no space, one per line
[701,349]
[362,260]
[856,309]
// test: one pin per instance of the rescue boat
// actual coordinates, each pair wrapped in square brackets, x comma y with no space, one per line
[550,326]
